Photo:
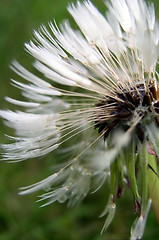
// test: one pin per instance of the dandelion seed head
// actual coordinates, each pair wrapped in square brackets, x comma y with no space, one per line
[95,103]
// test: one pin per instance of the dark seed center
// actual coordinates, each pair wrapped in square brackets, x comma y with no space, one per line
[112,112]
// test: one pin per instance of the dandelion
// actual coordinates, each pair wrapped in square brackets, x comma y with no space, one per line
[95,101]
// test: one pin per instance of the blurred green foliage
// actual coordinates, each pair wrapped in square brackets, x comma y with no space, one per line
[20,217]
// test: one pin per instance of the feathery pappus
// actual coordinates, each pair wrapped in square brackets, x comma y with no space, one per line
[95,101]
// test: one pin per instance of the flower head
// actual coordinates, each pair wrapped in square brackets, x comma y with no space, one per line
[96,99]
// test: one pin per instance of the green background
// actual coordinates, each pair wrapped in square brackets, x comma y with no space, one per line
[21,218]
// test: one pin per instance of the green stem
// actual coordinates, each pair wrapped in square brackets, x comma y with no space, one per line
[130,162]
[113,179]
[144,164]
[154,185]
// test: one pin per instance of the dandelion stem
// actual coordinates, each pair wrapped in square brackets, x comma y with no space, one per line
[144,175]
[130,162]
[154,185]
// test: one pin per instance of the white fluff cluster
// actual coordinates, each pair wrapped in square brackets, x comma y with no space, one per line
[80,68]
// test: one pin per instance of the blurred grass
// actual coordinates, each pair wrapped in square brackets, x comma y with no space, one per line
[20,217]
